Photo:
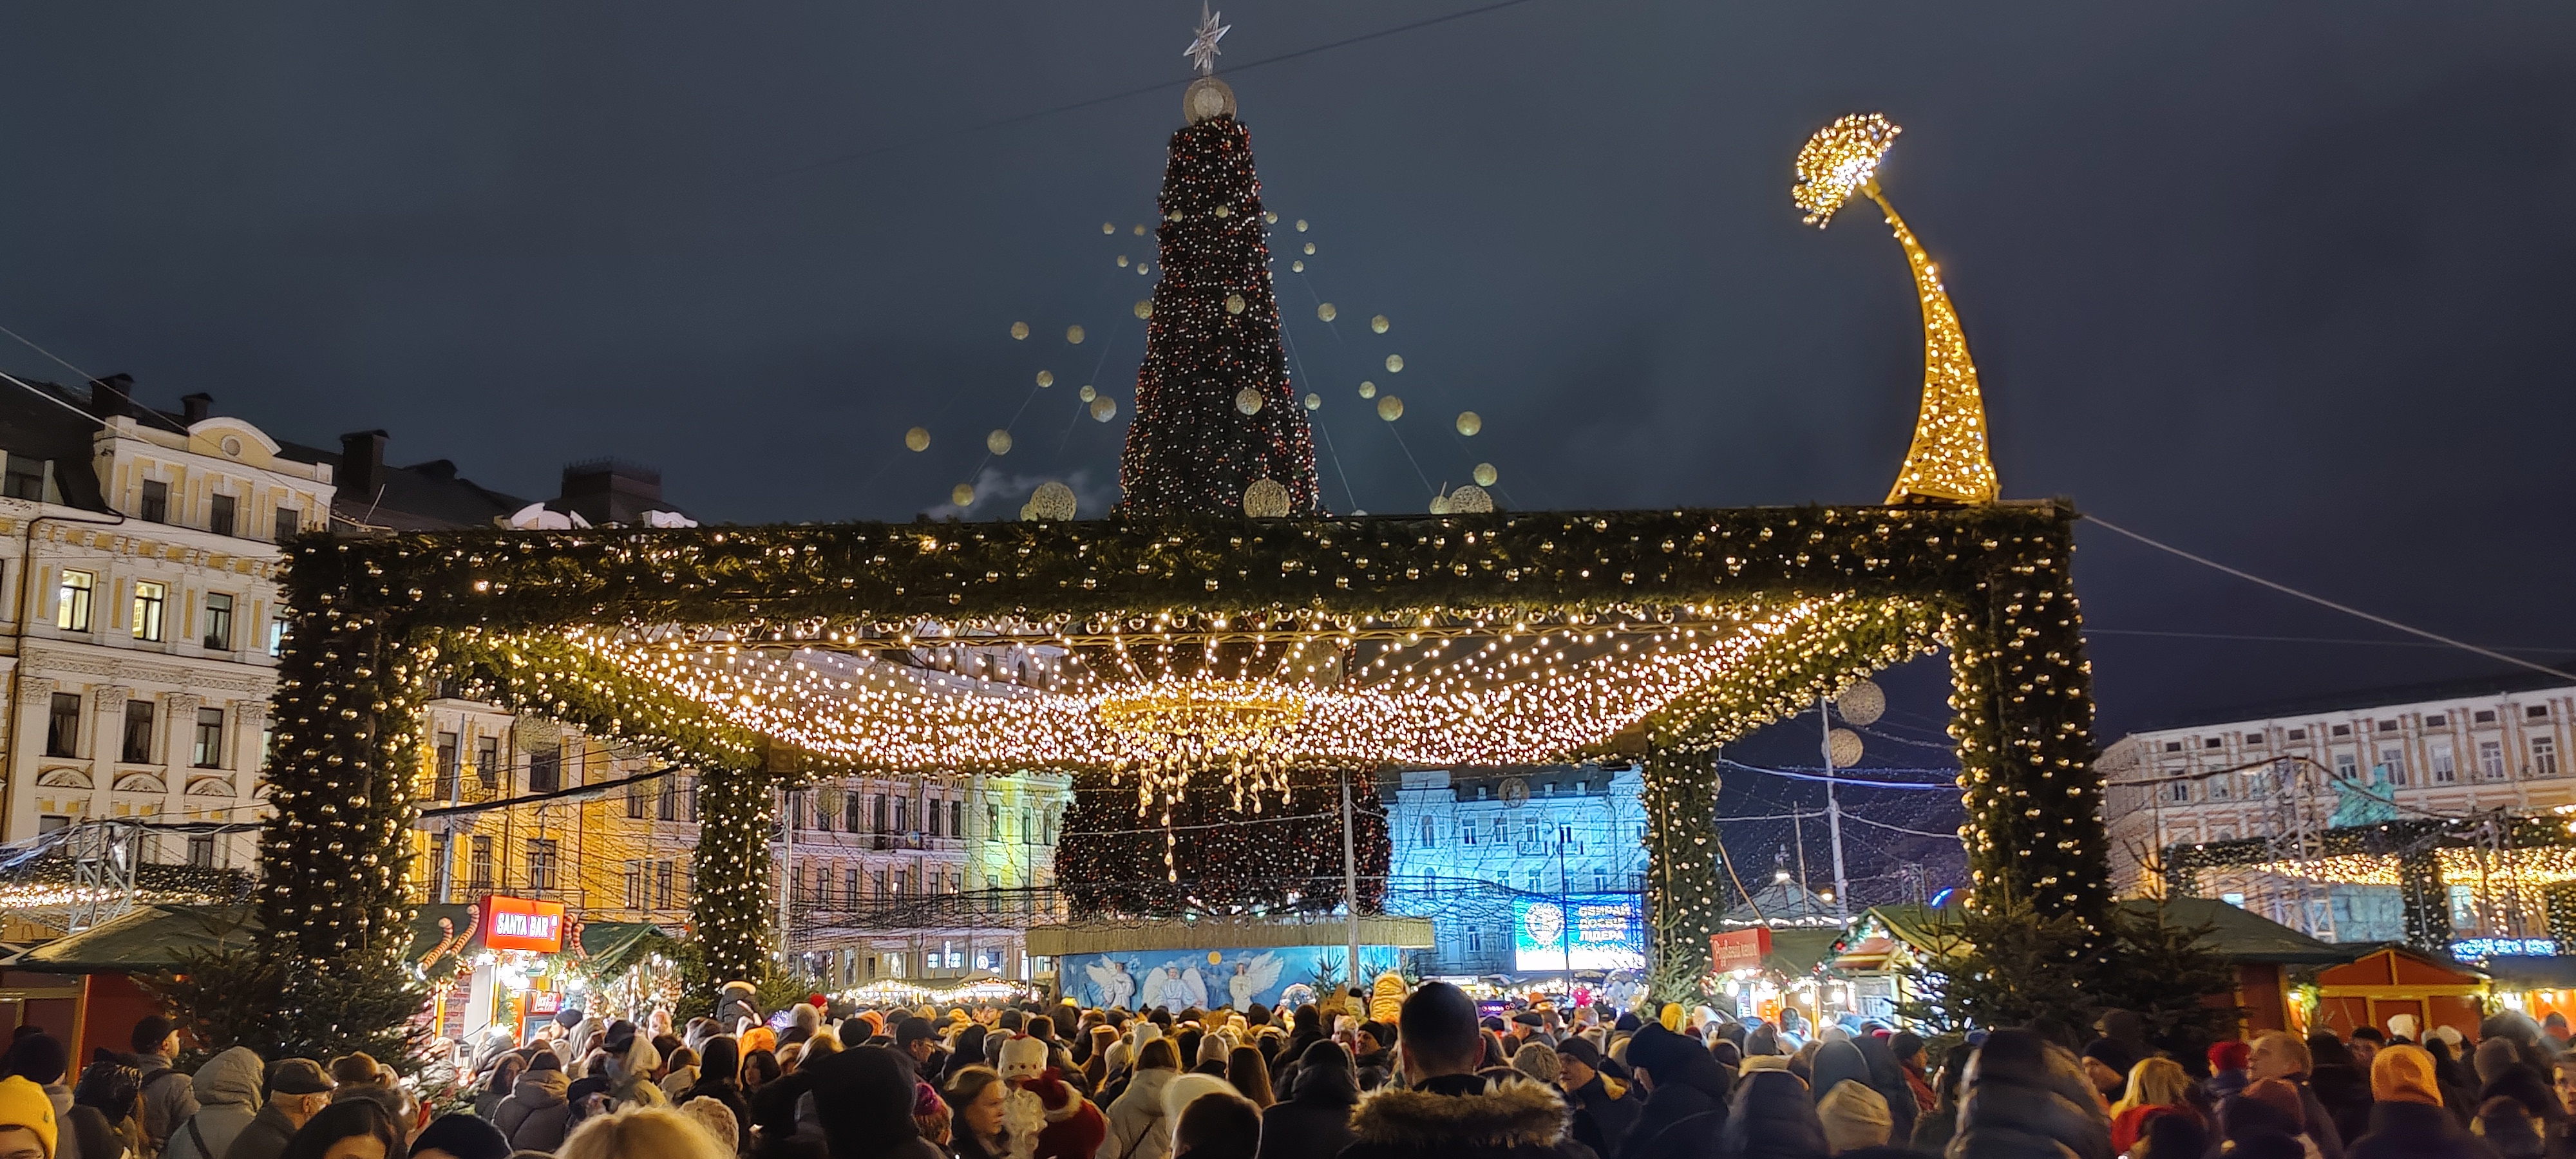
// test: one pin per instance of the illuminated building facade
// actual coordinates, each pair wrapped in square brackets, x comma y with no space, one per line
[1468,844]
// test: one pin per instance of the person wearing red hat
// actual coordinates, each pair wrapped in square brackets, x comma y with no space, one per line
[1048,1119]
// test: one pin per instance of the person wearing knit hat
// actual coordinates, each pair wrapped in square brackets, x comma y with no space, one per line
[2107,1062]
[460,1136]
[1685,1091]
[28,1129]
[1539,1061]
[1046,1118]
[2406,1115]
[2227,1077]
[1854,1114]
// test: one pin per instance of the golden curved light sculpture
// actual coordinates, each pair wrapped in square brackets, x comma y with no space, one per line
[1948,461]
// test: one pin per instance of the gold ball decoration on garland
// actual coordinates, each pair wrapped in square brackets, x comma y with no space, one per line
[1222,211]
[1087,394]
[1073,334]
[1326,312]
[999,442]
[1486,474]
[1469,423]
[1395,364]
[1234,303]
[1470,499]
[1019,331]
[1379,324]
[1104,408]
[1248,401]
[1053,500]
[1368,390]
[1314,401]
[1266,499]
[1144,308]
[1862,703]
[963,494]
[918,439]
[1046,378]
[1390,408]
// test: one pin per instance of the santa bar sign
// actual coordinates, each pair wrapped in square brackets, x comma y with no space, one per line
[1739,950]
[519,923]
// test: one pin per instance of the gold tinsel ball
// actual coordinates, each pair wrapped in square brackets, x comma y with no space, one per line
[1298,267]
[1485,474]
[1270,217]
[1145,308]
[999,442]
[1327,312]
[1378,323]
[1310,249]
[1046,378]
[1301,225]
[963,494]
[1469,499]
[918,438]
[1314,402]
[1108,227]
[1265,499]
[1248,401]
[1390,408]
[1368,390]
[1222,211]
[1234,303]
[1104,408]
[1019,330]
[1469,423]
[1395,364]
[1073,334]
[1089,394]
[1052,501]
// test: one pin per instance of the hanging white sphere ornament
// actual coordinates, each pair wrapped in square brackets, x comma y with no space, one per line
[1440,505]
[999,442]
[1469,499]
[1140,231]
[1301,225]
[918,439]
[1088,394]
[963,494]
[1326,311]
[1395,364]
[1310,249]
[1863,703]
[1108,228]
[1206,99]
[1390,408]
[1486,474]
[1073,334]
[1144,308]
[1270,217]
[1845,747]
[1299,267]
[1368,390]
[1104,408]
[1248,401]
[1378,323]
[1052,501]
[1122,261]
[1266,499]
[1234,303]
[1019,330]
[1314,402]
[1469,423]
[1046,378]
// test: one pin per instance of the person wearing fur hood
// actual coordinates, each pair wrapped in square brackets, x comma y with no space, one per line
[1045,1117]
[1448,1110]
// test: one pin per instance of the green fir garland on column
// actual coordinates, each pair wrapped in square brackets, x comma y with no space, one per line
[1682,875]
[729,904]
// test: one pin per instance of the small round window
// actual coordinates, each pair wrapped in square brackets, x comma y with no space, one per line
[232,445]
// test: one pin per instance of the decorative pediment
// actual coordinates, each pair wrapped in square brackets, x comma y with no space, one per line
[64,778]
[140,783]
[210,786]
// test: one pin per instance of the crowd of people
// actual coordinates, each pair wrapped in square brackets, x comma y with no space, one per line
[1442,1079]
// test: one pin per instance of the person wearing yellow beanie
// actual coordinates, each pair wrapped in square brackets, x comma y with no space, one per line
[27,1128]
[2406,1116]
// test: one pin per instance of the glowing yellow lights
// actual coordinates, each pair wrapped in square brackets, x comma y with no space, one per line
[963,495]
[998,442]
[1948,460]
[1144,309]
[1326,312]
[918,439]
[1469,422]
[1390,408]
[1395,364]
[1073,334]
[1046,378]
[1234,303]
[1019,331]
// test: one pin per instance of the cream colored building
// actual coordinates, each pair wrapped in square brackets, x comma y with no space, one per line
[140,612]
[2445,750]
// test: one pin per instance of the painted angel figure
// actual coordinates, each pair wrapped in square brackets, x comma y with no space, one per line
[1163,989]
[1111,981]
[1194,987]
[1252,976]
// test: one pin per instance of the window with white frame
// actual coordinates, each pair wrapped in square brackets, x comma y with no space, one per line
[2491,759]
[2347,766]
[150,601]
[2392,760]
[2445,767]
[2544,756]
[72,600]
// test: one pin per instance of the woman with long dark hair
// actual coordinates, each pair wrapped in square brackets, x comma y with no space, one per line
[351,1129]
[975,1095]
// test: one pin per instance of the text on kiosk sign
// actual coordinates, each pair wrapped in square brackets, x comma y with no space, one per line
[518,923]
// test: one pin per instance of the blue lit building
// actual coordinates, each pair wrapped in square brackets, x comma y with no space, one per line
[1474,848]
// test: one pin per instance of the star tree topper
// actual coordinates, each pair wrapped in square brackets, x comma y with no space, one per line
[1203,51]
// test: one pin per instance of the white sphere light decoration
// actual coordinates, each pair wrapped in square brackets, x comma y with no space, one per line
[1845,747]
[1248,401]
[917,439]
[1266,499]
[999,442]
[1862,703]
[1104,408]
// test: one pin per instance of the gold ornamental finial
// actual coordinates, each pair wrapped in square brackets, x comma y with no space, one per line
[1948,462]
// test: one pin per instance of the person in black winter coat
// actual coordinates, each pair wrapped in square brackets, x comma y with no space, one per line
[1446,1110]
[1605,1105]
[1315,1123]
[1887,1077]
[863,1098]
[2407,1121]
[1685,1096]
[720,1078]
[2023,1094]
[1771,1117]
[2340,1084]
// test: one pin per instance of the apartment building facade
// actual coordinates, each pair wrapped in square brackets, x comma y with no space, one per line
[2453,749]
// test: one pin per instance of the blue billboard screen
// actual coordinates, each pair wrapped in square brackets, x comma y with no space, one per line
[1586,932]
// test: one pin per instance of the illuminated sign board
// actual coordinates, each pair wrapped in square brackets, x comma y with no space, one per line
[518,923]
[1739,949]
[1587,932]
[2480,949]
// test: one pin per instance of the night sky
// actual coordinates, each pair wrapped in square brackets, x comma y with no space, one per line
[2284,284]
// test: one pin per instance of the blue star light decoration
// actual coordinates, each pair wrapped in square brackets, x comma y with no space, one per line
[1203,51]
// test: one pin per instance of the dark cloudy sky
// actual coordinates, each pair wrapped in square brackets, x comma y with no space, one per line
[2284,283]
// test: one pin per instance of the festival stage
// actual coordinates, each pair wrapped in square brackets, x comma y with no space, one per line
[1217,962]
